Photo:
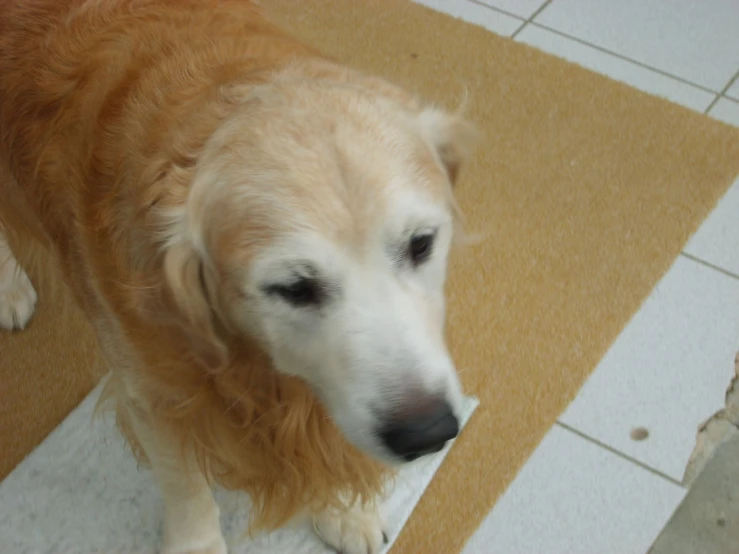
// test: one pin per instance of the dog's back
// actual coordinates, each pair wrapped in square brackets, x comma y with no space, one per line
[90,89]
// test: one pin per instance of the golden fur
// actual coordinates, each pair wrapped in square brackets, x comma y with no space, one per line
[102,124]
[252,428]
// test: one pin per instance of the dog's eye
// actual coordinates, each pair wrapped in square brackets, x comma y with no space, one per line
[303,292]
[420,248]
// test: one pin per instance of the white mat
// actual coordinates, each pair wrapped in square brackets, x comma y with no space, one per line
[80,492]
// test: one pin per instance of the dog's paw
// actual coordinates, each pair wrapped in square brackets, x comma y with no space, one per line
[17,297]
[357,530]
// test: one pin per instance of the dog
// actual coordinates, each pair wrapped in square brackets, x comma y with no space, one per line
[258,236]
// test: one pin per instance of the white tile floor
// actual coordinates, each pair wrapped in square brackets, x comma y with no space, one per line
[589,487]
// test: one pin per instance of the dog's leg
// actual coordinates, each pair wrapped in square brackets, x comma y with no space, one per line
[357,530]
[191,515]
[17,295]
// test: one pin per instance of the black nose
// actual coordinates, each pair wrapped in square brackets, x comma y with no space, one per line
[418,435]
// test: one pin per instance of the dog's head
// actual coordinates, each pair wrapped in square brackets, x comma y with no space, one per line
[319,222]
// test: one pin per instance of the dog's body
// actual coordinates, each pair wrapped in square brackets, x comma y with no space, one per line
[258,237]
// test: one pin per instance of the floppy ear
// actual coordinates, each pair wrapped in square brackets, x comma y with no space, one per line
[450,137]
[186,288]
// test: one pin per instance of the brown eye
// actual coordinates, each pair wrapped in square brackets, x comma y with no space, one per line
[303,292]
[420,248]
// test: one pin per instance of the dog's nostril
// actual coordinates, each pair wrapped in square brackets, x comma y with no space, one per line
[421,434]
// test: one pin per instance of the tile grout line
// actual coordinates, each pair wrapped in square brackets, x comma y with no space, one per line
[493,8]
[712,103]
[624,58]
[734,79]
[723,92]
[621,454]
[709,265]
[530,21]
[530,18]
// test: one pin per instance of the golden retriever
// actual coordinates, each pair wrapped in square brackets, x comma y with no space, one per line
[259,238]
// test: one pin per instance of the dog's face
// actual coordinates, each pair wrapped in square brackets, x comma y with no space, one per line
[327,220]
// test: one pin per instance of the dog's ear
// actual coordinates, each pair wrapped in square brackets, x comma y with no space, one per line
[186,283]
[450,137]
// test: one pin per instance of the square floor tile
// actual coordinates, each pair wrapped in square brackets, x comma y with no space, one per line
[521,8]
[471,12]
[716,240]
[727,111]
[573,497]
[616,68]
[695,40]
[667,371]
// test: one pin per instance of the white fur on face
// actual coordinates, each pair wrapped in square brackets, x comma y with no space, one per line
[328,183]
[375,342]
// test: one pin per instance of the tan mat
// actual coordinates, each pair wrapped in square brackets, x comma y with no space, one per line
[45,371]
[585,189]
